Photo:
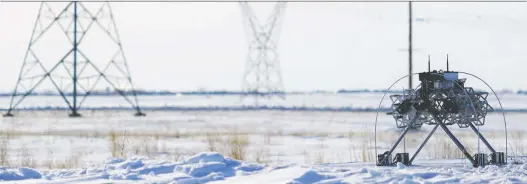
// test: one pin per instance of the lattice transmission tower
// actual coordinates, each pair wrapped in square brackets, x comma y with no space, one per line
[262,77]
[75,49]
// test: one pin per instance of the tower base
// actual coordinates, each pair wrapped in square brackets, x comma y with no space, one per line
[481,160]
[384,159]
[140,114]
[497,158]
[8,115]
[404,158]
[75,115]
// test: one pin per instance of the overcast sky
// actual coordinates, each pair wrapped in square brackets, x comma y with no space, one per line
[326,46]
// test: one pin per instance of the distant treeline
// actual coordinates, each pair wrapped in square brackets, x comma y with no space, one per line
[201,92]
[212,92]
[521,92]
[232,108]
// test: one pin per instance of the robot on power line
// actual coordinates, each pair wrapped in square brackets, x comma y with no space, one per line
[440,100]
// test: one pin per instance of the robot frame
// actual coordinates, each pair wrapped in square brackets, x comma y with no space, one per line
[440,100]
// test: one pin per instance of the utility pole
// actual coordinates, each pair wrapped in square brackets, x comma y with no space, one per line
[410,45]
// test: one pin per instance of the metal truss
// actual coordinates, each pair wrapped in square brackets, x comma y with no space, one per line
[74,75]
[262,77]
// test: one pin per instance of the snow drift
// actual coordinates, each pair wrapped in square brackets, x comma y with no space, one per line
[212,167]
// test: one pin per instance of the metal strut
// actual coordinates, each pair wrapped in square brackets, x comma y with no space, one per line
[454,139]
[33,72]
[423,144]
[439,124]
[481,137]
[408,127]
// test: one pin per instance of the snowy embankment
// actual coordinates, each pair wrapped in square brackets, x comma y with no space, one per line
[211,167]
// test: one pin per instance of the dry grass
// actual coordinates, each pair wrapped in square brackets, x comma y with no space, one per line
[320,155]
[49,161]
[351,145]
[262,155]
[73,161]
[307,158]
[234,144]
[118,144]
[237,145]
[366,152]
[444,148]
[212,139]
[517,142]
[5,138]
[319,158]
[267,137]
[26,158]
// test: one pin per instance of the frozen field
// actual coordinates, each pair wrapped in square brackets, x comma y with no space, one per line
[276,146]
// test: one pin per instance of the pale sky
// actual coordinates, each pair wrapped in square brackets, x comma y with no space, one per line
[325,46]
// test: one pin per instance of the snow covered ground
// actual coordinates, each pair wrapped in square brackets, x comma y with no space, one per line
[211,167]
[276,146]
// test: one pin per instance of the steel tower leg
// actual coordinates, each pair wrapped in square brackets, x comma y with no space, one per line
[74,112]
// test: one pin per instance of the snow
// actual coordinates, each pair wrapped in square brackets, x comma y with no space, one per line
[306,146]
[311,177]
[214,168]
[200,168]
[7,174]
[309,142]
[277,137]
[400,165]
